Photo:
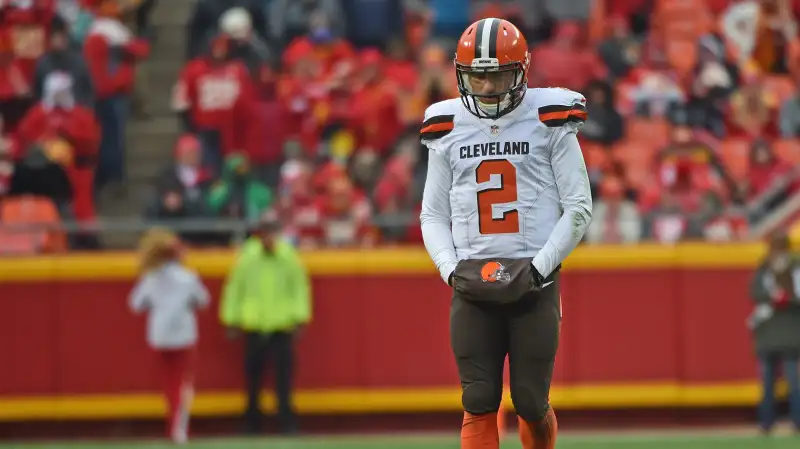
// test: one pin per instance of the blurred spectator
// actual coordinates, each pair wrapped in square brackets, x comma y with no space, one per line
[28,22]
[333,53]
[238,195]
[62,57]
[317,93]
[740,23]
[620,51]
[205,20]
[760,31]
[68,11]
[291,19]
[401,69]
[343,216]
[375,110]
[212,96]
[142,18]
[568,10]
[564,62]
[296,197]
[7,153]
[754,109]
[655,91]
[112,52]
[765,170]
[713,81]
[60,134]
[616,220]
[436,80]
[267,296]
[686,166]
[709,218]
[396,195]
[775,323]
[728,225]
[302,95]
[245,46]
[186,178]
[604,125]
[170,294]
[372,23]
[789,117]
[667,222]
[173,206]
[776,27]
[15,88]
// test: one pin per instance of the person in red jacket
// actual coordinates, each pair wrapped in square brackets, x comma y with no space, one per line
[375,108]
[28,22]
[15,90]
[111,52]
[343,218]
[213,95]
[58,117]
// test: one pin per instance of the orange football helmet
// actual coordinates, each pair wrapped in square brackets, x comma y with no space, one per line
[492,63]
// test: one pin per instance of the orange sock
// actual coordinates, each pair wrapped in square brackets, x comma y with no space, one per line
[479,431]
[501,422]
[541,435]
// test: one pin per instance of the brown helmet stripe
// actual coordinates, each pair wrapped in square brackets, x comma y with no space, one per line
[479,38]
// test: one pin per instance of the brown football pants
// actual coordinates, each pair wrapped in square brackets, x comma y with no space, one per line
[527,331]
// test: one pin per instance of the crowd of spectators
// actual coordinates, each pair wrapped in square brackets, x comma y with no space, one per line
[67,76]
[313,107]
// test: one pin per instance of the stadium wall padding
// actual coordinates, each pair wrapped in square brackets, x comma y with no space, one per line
[644,326]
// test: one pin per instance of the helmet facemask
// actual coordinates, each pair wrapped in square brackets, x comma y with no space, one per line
[508,81]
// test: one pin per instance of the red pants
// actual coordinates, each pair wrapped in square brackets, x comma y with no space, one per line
[176,368]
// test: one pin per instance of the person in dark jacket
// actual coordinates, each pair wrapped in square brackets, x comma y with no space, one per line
[776,327]
[604,125]
[62,57]
[205,19]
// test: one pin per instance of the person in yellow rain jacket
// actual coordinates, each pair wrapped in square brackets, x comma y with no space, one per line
[267,299]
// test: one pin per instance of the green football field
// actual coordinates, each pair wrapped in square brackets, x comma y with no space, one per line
[598,441]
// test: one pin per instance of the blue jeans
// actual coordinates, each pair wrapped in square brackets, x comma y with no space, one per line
[770,364]
[211,151]
[112,114]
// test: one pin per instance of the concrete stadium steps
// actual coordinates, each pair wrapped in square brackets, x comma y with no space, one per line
[150,139]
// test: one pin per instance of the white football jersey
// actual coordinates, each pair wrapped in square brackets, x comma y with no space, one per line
[513,187]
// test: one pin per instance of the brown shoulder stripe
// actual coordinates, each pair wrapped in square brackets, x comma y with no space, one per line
[437,127]
[553,116]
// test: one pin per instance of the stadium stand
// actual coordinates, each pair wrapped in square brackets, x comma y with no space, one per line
[312,107]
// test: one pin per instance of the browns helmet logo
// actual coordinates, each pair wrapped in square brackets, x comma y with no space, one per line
[494,272]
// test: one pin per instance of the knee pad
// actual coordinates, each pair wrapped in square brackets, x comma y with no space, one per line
[480,398]
[529,407]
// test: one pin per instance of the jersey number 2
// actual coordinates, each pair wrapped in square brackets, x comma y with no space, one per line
[506,193]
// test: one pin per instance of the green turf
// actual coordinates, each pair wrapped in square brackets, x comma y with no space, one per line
[639,441]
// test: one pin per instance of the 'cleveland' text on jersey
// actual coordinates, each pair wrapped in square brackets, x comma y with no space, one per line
[494,149]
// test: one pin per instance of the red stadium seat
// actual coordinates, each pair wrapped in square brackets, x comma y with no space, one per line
[788,150]
[39,211]
[735,154]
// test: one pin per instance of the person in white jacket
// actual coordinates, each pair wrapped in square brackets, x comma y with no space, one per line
[170,293]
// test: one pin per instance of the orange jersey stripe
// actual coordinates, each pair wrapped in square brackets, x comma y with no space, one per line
[563,115]
[447,126]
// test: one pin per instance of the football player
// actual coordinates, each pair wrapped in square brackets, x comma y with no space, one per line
[506,199]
